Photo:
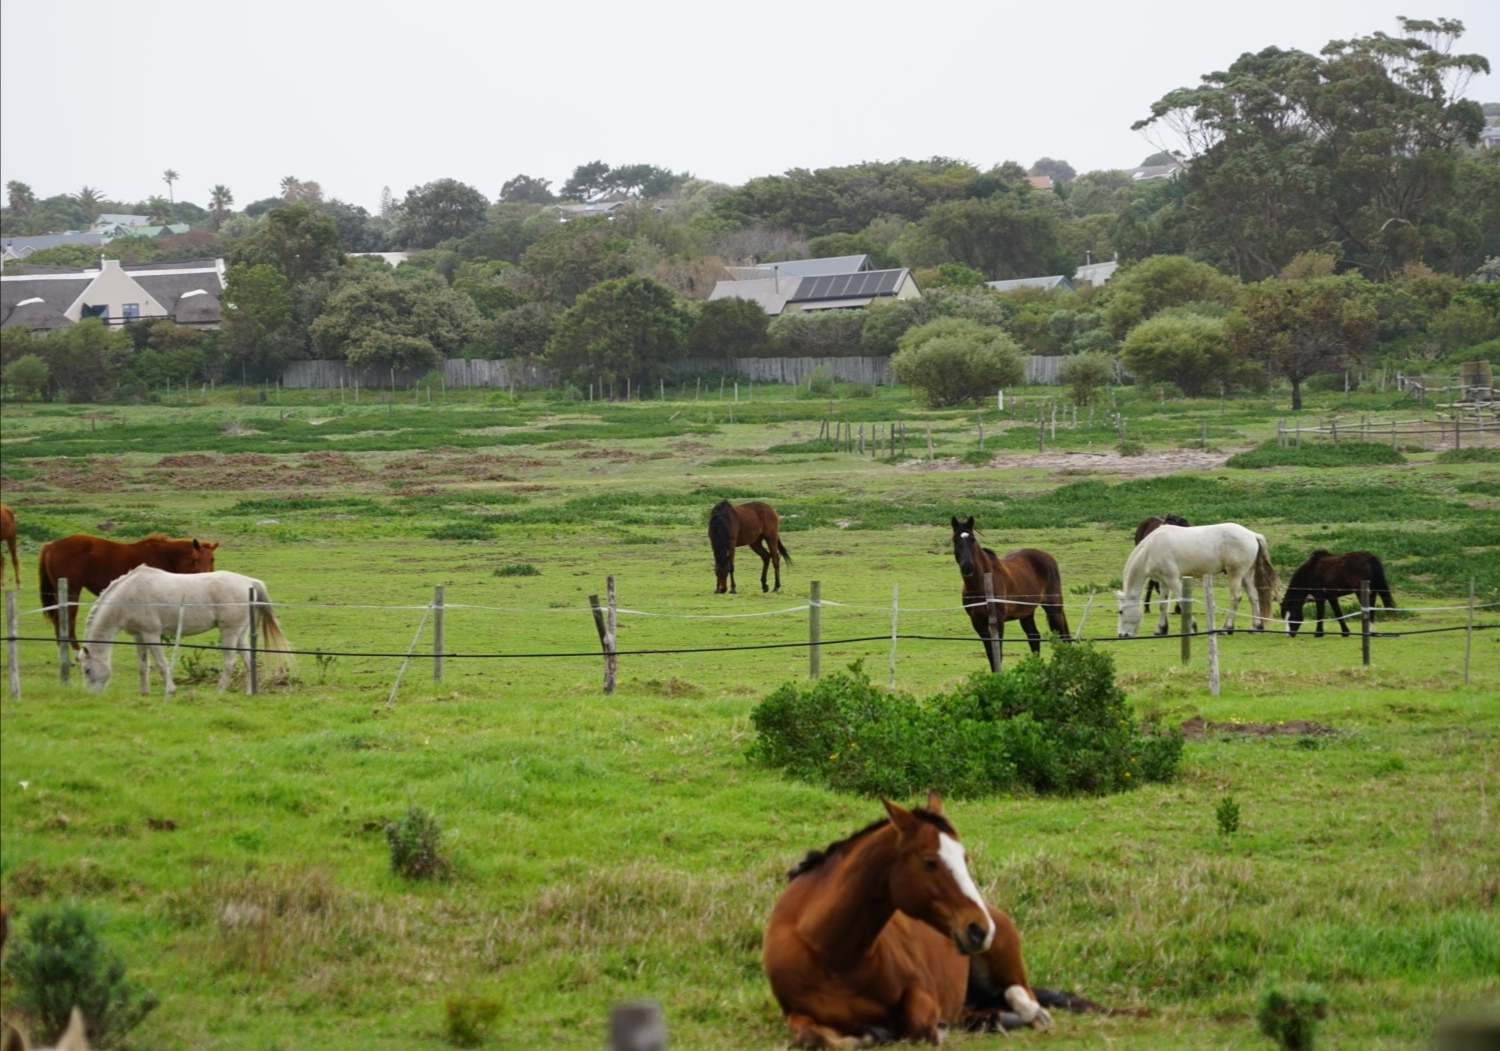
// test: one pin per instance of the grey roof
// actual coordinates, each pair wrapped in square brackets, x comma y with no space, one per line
[1057,281]
[1156,171]
[23,246]
[838,264]
[167,283]
[845,285]
[771,293]
[34,313]
[197,308]
[56,288]
[113,219]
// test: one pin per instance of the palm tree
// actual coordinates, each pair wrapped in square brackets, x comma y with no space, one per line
[20,197]
[289,187]
[219,202]
[169,177]
[90,199]
[161,209]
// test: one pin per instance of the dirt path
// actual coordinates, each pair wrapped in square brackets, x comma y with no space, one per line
[1162,462]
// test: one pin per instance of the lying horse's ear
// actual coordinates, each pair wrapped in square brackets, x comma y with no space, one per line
[196,545]
[13,1040]
[900,816]
[934,801]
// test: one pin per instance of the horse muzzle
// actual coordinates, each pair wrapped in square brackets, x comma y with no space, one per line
[972,940]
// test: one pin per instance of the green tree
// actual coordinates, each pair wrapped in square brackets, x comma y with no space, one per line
[83,359]
[1144,289]
[818,333]
[627,327]
[831,245]
[1010,234]
[170,177]
[440,210]
[160,210]
[886,323]
[574,257]
[20,197]
[1058,171]
[953,360]
[375,319]
[588,180]
[729,328]
[257,314]
[1083,374]
[91,199]
[527,189]
[219,203]
[1181,348]
[1298,329]
[26,376]
[488,285]
[297,240]
[522,332]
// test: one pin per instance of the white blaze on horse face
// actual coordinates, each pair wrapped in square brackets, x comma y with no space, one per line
[953,856]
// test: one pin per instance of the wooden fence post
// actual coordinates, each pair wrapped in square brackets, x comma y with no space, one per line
[1078,631]
[1185,609]
[12,652]
[814,628]
[1468,635]
[604,623]
[64,636]
[1211,642]
[929,443]
[1364,621]
[250,686]
[993,613]
[437,633]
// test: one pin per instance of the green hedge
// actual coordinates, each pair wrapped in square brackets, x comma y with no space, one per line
[1057,726]
[1320,454]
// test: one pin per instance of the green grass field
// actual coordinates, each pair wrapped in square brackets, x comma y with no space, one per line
[611,848]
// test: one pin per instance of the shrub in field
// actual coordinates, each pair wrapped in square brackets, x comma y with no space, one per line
[416,843]
[1057,726]
[1130,447]
[63,963]
[1468,456]
[820,382]
[1291,1018]
[953,360]
[1346,454]
[470,530]
[468,1018]
[1227,813]
[518,569]
[1083,374]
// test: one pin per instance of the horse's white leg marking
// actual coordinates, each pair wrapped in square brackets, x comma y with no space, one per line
[140,666]
[159,656]
[953,856]
[1024,1004]
[231,643]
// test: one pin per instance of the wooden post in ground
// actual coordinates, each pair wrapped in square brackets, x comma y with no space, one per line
[1211,641]
[1468,635]
[1364,621]
[981,432]
[12,652]
[606,636]
[992,611]
[1078,631]
[64,637]
[1185,608]
[251,683]
[929,443]
[1203,433]
[437,633]
[814,628]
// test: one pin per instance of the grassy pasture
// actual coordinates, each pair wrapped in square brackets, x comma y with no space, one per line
[612,848]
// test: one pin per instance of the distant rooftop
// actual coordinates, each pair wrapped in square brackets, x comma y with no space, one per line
[1054,281]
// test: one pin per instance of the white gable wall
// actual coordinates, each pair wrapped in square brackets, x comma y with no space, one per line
[114,288]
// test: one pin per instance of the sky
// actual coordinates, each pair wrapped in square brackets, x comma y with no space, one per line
[364,96]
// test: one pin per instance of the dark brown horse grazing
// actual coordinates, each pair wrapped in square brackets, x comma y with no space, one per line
[883,936]
[1023,580]
[91,563]
[753,523]
[1324,577]
[8,536]
[1145,529]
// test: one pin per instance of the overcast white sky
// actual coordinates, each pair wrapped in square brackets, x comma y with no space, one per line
[360,96]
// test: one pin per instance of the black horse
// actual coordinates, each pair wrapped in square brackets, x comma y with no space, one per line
[1324,577]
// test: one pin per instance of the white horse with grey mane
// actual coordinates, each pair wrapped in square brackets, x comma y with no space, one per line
[1173,552]
[147,603]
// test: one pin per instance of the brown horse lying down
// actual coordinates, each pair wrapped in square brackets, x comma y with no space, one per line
[753,523]
[883,936]
[91,563]
[1324,577]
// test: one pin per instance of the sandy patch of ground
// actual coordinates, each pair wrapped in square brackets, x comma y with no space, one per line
[1164,461]
[1196,728]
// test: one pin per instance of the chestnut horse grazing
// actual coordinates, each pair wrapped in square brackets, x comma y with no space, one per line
[8,535]
[883,936]
[1145,529]
[1324,577]
[91,563]
[1023,580]
[753,523]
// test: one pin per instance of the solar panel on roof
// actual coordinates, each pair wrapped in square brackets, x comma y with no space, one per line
[843,286]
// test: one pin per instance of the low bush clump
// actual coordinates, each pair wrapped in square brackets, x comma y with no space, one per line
[416,843]
[1055,726]
[64,962]
[518,569]
[472,530]
[1130,447]
[1470,455]
[468,1018]
[1291,1019]
[1323,454]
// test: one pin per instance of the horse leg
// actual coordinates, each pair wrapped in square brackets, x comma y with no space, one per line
[1171,591]
[159,658]
[806,1032]
[1236,585]
[1338,614]
[731,572]
[1033,636]
[1150,587]
[998,977]
[923,1013]
[141,653]
[759,547]
[1320,600]
[1247,585]
[232,644]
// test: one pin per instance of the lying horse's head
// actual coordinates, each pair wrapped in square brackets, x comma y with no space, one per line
[930,879]
[965,547]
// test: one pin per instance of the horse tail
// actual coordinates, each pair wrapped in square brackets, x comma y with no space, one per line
[276,646]
[48,586]
[1057,616]
[1265,578]
[1378,587]
[784,552]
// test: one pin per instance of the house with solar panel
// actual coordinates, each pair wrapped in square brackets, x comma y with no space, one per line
[848,282]
[46,297]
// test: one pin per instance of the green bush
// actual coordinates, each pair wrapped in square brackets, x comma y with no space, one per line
[1227,814]
[1321,454]
[1291,1019]
[1470,455]
[416,843]
[1130,447]
[518,569]
[64,962]
[471,529]
[1056,726]
[954,360]
[821,382]
[1084,373]
[468,1018]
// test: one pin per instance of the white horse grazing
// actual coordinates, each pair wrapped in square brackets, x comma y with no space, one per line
[147,602]
[1173,552]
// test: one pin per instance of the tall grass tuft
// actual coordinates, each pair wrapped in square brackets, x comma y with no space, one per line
[416,843]
[1291,1018]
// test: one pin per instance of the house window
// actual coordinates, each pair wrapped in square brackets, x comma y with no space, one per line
[130,311]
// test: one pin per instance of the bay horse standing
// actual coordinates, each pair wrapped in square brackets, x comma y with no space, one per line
[883,936]
[1023,580]
[1326,576]
[752,523]
[8,536]
[92,563]
[1145,529]
[1173,552]
[147,603]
